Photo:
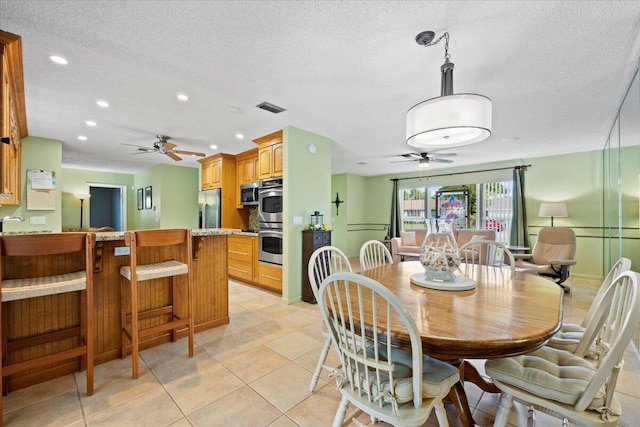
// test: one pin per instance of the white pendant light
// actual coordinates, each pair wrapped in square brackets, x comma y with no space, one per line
[448,120]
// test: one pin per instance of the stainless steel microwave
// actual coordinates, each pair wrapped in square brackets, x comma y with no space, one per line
[249,194]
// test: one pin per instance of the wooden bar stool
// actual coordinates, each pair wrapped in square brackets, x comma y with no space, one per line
[37,269]
[169,255]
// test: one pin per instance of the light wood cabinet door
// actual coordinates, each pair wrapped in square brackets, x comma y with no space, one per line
[265,160]
[13,120]
[278,168]
[216,174]
[206,176]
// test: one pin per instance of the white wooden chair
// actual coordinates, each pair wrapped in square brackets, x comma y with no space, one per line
[374,253]
[323,262]
[566,385]
[570,334]
[486,255]
[394,385]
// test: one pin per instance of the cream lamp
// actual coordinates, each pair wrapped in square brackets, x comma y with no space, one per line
[557,209]
[448,120]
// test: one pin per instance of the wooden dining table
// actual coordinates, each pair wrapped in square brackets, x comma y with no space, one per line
[505,315]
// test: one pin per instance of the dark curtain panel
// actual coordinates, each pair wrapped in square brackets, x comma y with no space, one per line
[395,227]
[519,231]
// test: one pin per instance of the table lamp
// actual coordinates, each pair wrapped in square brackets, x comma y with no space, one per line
[557,209]
[82,197]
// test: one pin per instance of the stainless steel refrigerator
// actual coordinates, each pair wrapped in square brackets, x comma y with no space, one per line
[209,201]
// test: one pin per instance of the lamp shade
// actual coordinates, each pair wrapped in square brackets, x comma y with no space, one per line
[449,121]
[558,210]
[82,196]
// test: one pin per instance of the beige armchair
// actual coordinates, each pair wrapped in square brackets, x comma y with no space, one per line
[552,255]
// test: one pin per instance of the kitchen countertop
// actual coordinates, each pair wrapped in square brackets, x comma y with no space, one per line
[196,232]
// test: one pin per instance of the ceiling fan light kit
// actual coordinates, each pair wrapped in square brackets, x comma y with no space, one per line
[450,120]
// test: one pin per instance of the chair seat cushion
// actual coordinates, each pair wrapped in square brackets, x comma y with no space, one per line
[567,338]
[549,373]
[156,271]
[437,376]
[17,289]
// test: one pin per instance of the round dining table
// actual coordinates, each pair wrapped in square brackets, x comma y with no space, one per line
[506,314]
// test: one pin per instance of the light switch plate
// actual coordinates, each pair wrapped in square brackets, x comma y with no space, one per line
[122,250]
[37,220]
[297,220]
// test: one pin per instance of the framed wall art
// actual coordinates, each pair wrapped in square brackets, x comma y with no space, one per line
[140,199]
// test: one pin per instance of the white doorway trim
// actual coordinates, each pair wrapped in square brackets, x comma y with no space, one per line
[123,200]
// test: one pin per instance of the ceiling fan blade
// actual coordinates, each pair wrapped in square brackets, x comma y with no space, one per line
[416,156]
[170,145]
[138,146]
[188,153]
[173,156]
[436,155]
[141,151]
[436,160]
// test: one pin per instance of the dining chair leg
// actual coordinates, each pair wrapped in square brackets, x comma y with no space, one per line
[323,357]
[441,414]
[503,409]
[134,329]
[342,411]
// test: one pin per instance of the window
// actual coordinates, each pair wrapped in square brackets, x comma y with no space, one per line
[490,206]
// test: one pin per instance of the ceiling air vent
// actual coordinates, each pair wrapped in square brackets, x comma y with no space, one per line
[271,108]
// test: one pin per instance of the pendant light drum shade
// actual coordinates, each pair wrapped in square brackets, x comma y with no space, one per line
[449,121]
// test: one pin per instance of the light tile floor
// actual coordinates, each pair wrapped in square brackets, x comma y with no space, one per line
[253,372]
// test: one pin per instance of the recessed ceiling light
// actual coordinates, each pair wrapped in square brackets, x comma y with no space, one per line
[183,97]
[103,104]
[58,60]
[82,138]
[239,136]
[232,109]
[213,147]
[91,123]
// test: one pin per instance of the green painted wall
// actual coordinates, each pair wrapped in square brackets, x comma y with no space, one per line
[76,181]
[177,187]
[307,188]
[339,216]
[45,154]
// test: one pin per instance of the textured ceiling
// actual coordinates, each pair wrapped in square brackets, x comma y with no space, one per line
[556,72]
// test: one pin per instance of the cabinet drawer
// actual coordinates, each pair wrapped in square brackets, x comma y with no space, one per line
[240,251]
[240,269]
[271,275]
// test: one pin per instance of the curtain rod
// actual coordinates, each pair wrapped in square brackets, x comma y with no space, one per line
[462,173]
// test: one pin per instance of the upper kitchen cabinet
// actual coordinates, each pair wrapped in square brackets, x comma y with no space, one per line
[216,170]
[270,150]
[247,166]
[13,118]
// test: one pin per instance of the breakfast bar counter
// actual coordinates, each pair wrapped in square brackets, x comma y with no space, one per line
[211,308]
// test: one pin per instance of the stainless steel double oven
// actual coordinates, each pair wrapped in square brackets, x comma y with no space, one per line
[270,201]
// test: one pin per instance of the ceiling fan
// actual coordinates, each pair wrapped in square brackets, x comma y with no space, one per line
[424,159]
[163,146]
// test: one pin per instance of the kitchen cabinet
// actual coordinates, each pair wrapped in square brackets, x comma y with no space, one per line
[246,165]
[270,156]
[311,240]
[13,118]
[219,171]
[270,276]
[242,257]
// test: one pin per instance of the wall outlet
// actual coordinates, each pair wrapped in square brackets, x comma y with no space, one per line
[297,220]
[122,250]
[37,220]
